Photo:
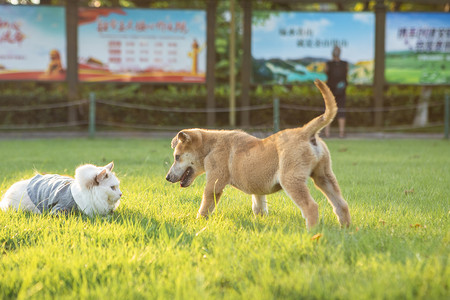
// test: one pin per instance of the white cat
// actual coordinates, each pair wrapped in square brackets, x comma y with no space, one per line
[95,190]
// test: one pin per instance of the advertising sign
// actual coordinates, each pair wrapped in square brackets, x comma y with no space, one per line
[292,47]
[141,45]
[417,48]
[32,43]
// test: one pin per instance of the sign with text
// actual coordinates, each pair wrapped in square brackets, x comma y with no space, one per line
[142,45]
[32,43]
[417,48]
[292,47]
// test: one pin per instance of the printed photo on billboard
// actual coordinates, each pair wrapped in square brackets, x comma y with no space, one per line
[32,43]
[293,47]
[417,48]
[142,45]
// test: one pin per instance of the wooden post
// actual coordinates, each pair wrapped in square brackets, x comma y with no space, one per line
[378,81]
[246,71]
[421,117]
[72,55]
[232,115]
[210,61]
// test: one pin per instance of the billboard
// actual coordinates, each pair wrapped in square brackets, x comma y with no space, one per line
[417,48]
[293,47]
[32,43]
[141,45]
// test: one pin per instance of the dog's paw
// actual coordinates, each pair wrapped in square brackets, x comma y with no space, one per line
[200,216]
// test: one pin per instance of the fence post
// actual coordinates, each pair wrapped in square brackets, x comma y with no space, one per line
[276,115]
[91,115]
[447,116]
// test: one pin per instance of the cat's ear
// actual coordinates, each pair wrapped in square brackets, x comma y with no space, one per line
[100,176]
[110,166]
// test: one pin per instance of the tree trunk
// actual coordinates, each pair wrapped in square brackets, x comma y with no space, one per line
[421,118]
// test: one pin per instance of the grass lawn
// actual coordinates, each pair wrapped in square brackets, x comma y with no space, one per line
[153,246]
[409,68]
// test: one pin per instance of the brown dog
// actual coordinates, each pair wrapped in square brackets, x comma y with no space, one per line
[55,66]
[259,167]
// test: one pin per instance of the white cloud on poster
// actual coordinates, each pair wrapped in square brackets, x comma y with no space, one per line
[365,18]
[317,26]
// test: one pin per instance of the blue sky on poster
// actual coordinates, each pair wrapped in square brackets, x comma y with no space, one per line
[424,20]
[358,29]
[94,44]
[44,29]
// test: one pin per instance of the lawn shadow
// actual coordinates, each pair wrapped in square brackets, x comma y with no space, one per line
[166,231]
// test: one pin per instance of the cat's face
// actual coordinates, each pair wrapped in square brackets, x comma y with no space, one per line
[102,183]
[107,182]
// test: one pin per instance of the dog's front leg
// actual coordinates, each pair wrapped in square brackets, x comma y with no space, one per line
[211,197]
[209,202]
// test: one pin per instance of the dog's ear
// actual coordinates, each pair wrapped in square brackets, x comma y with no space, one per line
[100,176]
[174,142]
[182,137]
[110,166]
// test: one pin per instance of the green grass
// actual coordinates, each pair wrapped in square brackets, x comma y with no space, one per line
[153,246]
[407,68]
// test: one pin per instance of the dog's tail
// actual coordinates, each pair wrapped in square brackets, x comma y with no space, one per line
[316,124]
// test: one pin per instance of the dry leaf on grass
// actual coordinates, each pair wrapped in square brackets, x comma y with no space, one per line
[316,237]
[411,191]
[417,225]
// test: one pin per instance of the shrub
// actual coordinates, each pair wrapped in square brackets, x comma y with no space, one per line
[194,97]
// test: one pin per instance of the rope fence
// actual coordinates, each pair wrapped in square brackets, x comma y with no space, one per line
[181,110]
[44,126]
[259,107]
[276,106]
[359,109]
[41,107]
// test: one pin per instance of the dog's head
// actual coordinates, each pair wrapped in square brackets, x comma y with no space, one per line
[187,163]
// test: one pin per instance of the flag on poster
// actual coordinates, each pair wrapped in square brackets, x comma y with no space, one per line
[32,43]
[417,48]
[293,47]
[142,45]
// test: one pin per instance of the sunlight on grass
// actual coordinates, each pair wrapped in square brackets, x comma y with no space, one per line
[154,247]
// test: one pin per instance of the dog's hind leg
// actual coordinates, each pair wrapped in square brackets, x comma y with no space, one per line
[326,181]
[298,191]
[259,205]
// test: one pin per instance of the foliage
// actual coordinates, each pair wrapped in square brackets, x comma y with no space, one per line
[31,94]
[154,248]
[191,97]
